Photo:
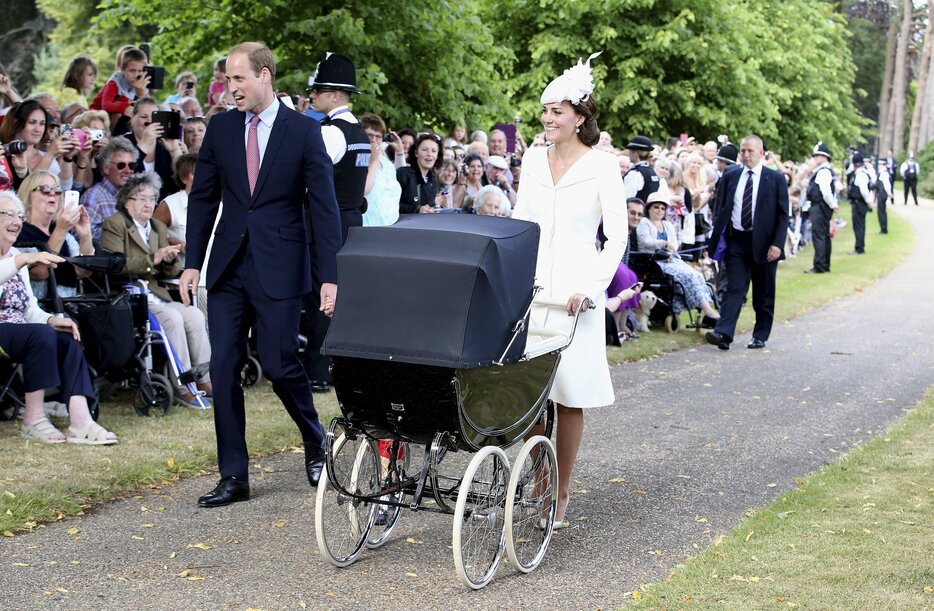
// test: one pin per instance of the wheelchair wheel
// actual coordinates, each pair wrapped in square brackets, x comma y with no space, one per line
[251,374]
[531,502]
[479,517]
[671,323]
[343,522]
[387,515]
[157,399]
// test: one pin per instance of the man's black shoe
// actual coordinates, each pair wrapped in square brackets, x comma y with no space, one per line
[857,252]
[755,344]
[314,463]
[227,491]
[717,339]
[320,386]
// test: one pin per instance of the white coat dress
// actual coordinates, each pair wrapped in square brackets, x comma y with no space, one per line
[569,261]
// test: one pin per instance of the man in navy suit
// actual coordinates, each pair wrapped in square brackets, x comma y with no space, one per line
[260,160]
[751,221]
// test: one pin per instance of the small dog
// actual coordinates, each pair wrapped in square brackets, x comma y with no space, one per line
[646,304]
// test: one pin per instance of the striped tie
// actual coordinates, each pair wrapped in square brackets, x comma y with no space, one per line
[252,153]
[746,215]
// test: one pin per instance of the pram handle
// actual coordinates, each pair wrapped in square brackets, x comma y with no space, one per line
[585,303]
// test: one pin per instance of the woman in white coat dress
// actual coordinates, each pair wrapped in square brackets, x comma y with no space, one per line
[567,187]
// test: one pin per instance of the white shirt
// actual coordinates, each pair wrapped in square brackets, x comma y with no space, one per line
[737,217]
[266,118]
[863,178]
[633,180]
[906,164]
[334,140]
[824,180]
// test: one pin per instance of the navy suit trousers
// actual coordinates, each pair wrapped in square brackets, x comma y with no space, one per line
[740,269]
[235,303]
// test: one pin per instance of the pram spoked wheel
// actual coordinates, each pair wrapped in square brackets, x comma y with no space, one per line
[387,515]
[531,503]
[342,522]
[157,399]
[480,516]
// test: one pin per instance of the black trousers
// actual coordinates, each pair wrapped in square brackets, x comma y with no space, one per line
[860,208]
[741,269]
[881,211]
[315,324]
[50,359]
[235,304]
[820,215]
[911,186]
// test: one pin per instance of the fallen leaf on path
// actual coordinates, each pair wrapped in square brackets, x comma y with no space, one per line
[170,463]
[7,533]
[138,538]
[149,525]
[413,541]
[199,545]
[72,531]
[411,575]
[279,524]
[21,564]
[618,480]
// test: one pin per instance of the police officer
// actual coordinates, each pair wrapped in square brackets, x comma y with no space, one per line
[640,181]
[909,172]
[821,194]
[883,195]
[335,79]
[860,195]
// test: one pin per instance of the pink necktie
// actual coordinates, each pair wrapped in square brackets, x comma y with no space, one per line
[252,153]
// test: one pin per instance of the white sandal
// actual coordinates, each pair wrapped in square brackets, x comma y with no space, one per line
[93,434]
[41,431]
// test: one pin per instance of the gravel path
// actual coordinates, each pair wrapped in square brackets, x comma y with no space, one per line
[698,437]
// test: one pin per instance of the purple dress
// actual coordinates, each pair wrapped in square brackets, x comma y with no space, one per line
[623,279]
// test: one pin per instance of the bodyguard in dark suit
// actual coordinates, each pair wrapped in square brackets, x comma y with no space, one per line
[752,222]
[259,160]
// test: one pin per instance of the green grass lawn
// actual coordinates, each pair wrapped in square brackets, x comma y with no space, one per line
[854,535]
[41,482]
[796,291]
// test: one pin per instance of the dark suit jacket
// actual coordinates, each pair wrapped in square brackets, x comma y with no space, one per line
[770,222]
[295,160]
[119,234]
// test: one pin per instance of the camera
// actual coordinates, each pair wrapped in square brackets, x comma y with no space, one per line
[388,137]
[97,135]
[189,84]
[515,162]
[15,147]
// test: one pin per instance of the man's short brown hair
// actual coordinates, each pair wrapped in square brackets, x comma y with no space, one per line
[258,55]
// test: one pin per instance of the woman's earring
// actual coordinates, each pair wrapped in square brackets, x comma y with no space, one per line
[577,131]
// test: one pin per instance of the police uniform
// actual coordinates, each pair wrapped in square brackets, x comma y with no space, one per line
[883,194]
[860,195]
[821,196]
[640,181]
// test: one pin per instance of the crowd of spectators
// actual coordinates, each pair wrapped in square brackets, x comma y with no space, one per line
[133,178]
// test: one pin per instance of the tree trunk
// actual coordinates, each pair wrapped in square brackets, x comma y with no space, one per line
[927,122]
[922,102]
[899,82]
[885,134]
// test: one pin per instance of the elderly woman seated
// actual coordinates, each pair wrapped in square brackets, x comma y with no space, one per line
[491,201]
[49,226]
[46,345]
[149,256]
[655,232]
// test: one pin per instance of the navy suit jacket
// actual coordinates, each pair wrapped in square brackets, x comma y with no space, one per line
[770,221]
[272,218]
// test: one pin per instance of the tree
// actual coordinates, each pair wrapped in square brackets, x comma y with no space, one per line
[418,64]
[900,79]
[922,102]
[885,95]
[781,70]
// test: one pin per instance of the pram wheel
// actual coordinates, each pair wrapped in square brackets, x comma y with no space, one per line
[387,515]
[531,503]
[157,399]
[479,517]
[343,522]
[251,374]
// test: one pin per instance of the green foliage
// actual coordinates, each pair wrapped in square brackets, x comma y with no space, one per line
[925,159]
[867,47]
[781,70]
[424,63]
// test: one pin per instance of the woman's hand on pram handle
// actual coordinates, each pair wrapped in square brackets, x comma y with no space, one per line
[578,301]
[65,325]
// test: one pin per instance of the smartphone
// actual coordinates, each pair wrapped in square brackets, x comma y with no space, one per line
[144,47]
[156,76]
[171,122]
[71,201]
[637,285]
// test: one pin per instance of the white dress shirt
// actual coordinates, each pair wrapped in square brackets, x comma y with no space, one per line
[824,180]
[737,217]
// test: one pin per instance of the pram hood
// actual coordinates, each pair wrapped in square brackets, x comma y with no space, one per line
[434,289]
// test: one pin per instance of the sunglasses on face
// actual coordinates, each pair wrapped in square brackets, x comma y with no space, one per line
[46,190]
[122,165]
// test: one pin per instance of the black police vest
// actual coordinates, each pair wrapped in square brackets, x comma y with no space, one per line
[813,192]
[649,181]
[350,172]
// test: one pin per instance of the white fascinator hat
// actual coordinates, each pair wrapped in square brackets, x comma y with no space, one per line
[575,85]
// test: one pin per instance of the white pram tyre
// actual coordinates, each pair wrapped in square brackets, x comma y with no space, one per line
[343,522]
[386,516]
[531,503]
[480,517]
